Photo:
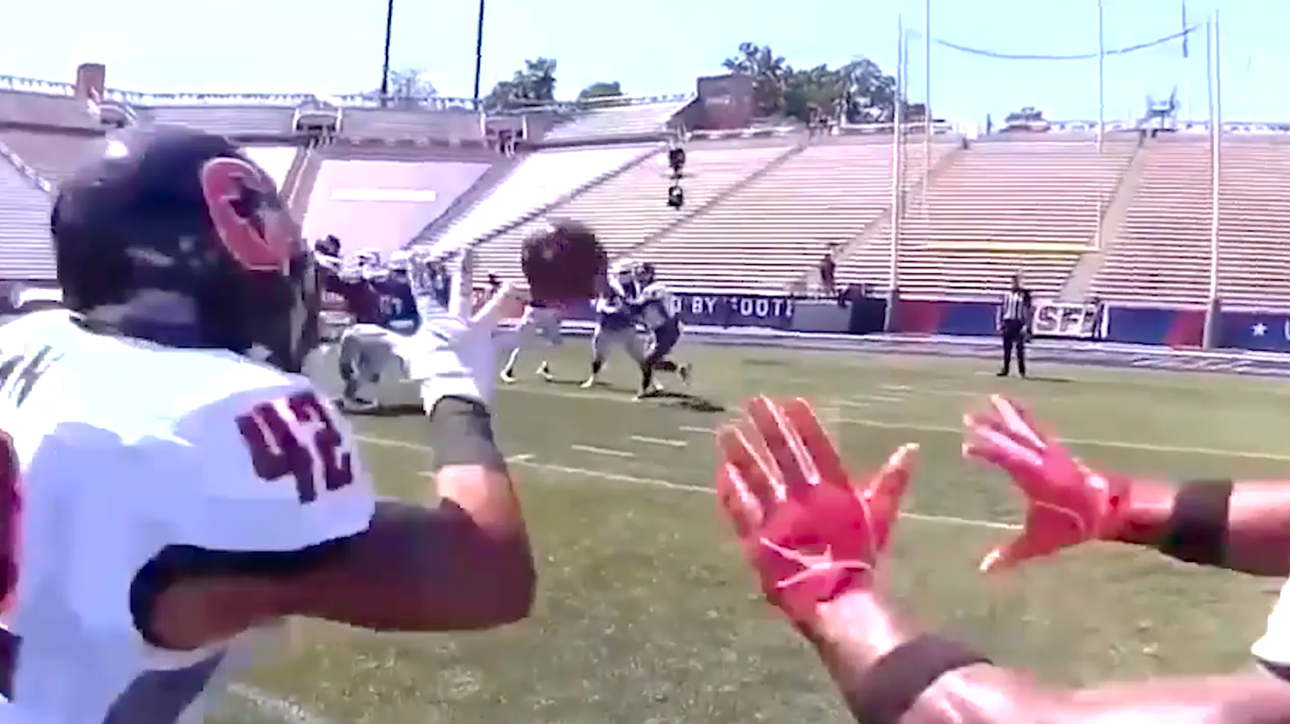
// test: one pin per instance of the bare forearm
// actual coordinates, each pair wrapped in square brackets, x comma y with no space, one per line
[855,633]
[422,569]
[463,564]
[1258,523]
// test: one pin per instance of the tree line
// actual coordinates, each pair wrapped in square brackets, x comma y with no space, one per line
[858,91]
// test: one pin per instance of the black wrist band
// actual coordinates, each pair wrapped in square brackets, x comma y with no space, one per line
[1197,528]
[893,684]
[461,433]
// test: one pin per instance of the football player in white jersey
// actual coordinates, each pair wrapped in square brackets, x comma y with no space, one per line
[657,310]
[213,489]
[540,326]
[615,322]
[815,533]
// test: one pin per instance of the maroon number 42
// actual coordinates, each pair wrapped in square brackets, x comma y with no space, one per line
[277,451]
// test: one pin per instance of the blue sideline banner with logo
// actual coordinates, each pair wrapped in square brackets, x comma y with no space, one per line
[1066,320]
[735,310]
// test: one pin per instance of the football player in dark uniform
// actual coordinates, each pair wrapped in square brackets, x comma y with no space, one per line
[615,322]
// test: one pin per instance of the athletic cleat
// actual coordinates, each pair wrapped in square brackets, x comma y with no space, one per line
[508,376]
[545,373]
[357,404]
[588,383]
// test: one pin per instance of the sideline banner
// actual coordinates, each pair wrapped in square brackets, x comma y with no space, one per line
[701,308]
[1069,320]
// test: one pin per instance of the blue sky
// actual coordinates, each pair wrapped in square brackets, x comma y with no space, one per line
[660,46]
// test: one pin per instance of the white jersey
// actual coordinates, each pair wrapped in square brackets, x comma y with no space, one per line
[124,449]
[656,304]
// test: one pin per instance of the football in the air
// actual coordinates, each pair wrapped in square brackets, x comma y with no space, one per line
[563,262]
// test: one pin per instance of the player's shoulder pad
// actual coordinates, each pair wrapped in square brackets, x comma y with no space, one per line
[42,323]
[268,464]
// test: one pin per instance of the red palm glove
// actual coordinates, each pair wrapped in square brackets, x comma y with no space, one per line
[807,531]
[1068,503]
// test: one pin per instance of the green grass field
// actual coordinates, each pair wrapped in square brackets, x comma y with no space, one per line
[646,614]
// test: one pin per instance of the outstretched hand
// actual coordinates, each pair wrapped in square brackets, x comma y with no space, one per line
[1068,503]
[458,357]
[809,532]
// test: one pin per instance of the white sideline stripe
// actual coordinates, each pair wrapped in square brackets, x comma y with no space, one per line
[864,400]
[659,441]
[602,451]
[275,706]
[682,487]
[528,462]
[924,427]
[849,403]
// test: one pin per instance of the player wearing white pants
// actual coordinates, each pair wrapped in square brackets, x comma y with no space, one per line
[540,325]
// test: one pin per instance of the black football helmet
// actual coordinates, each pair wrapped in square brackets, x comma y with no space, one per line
[174,236]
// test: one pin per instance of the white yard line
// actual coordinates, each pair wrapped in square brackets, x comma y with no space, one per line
[667,442]
[275,707]
[695,430]
[849,403]
[602,451]
[639,481]
[863,400]
[954,430]
[682,487]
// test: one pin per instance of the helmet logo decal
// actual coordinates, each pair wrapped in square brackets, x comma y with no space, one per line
[247,214]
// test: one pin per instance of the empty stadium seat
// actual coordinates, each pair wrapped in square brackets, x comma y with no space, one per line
[1254,224]
[618,121]
[53,154]
[998,208]
[25,251]
[771,231]
[1161,252]
[630,208]
[540,180]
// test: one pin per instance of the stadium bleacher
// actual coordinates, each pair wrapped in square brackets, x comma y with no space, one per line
[629,210]
[647,116]
[1128,222]
[53,154]
[24,227]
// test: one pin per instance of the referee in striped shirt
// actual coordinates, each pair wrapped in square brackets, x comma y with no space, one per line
[1013,324]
